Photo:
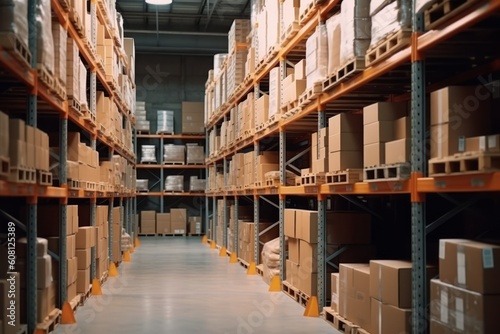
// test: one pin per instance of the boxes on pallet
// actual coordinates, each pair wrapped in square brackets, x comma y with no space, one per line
[72,69]
[389,19]
[260,36]
[196,184]
[317,56]
[163,223]
[174,183]
[389,319]
[290,223]
[17,143]
[335,289]
[273,24]
[129,47]
[174,153]
[274,92]
[192,117]
[250,62]
[333,30]
[354,294]
[178,217]
[194,224]
[262,109]
[457,310]
[83,84]
[290,14]
[45,41]
[14,19]
[60,43]
[356,29]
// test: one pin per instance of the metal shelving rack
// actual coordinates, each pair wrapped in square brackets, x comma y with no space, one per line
[413,57]
[40,94]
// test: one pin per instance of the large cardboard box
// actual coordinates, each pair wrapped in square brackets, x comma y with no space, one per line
[345,141]
[306,282]
[342,160]
[402,128]
[148,215]
[262,109]
[308,259]
[384,111]
[148,227]
[306,225]
[345,123]
[163,223]
[382,131]
[195,224]
[388,319]
[70,245]
[334,287]
[354,296]
[470,265]
[374,155]
[85,237]
[83,281]
[290,224]
[294,250]
[397,151]
[178,215]
[83,256]
[457,310]
[72,265]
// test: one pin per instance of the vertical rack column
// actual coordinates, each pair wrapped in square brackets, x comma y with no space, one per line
[256,208]
[63,180]
[321,228]
[110,228]
[282,161]
[214,219]
[418,166]
[162,175]
[236,215]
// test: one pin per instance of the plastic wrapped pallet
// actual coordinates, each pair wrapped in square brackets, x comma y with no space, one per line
[195,154]
[45,42]
[238,33]
[196,184]
[174,153]
[218,61]
[356,29]
[260,42]
[14,18]
[273,24]
[317,56]
[142,184]
[271,259]
[126,241]
[290,15]
[333,28]
[174,183]
[60,40]
[83,84]
[165,121]
[391,18]
[148,153]
[274,92]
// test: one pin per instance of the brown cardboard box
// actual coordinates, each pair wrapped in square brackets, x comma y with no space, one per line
[72,265]
[334,287]
[457,310]
[288,80]
[384,111]
[17,129]
[262,169]
[473,144]
[402,128]
[388,319]
[476,269]
[262,109]
[397,151]
[289,271]
[373,154]
[44,271]
[382,131]
[83,281]
[195,224]
[289,220]
[306,225]
[148,215]
[85,237]
[294,90]
[306,282]
[294,250]
[163,223]
[178,215]
[71,293]
[70,245]
[445,137]
[300,70]
[354,296]
[266,157]
[347,227]
[74,146]
[345,123]
[83,256]
[148,227]
[345,141]
[17,153]
[342,160]
[308,256]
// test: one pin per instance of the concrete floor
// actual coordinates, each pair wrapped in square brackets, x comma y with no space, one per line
[178,285]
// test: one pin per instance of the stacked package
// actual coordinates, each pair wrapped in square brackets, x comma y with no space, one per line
[85,240]
[174,153]
[345,142]
[141,123]
[317,56]
[101,241]
[356,29]
[273,34]
[389,18]
[319,151]
[466,298]
[178,220]
[246,238]
[14,19]
[163,223]
[142,184]
[290,15]
[174,183]
[294,84]
[165,121]
[148,153]
[148,222]
[45,42]
[194,223]
[196,184]
[195,154]
[192,117]
[333,29]
[116,228]
[60,40]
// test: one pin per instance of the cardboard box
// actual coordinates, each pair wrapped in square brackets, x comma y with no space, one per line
[17,129]
[289,220]
[382,131]
[85,237]
[345,141]
[402,128]
[306,282]
[334,287]
[195,224]
[306,225]
[398,151]
[294,250]
[374,155]
[300,70]
[354,296]
[384,111]
[345,123]
[294,90]
[388,319]
[162,223]
[83,281]
[308,256]
[70,240]
[74,146]
[17,153]
[475,266]
[44,271]
[342,160]
[457,310]
[289,271]
[262,109]
[83,256]
[72,271]
[148,215]
[178,215]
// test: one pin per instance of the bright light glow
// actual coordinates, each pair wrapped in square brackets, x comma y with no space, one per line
[159,2]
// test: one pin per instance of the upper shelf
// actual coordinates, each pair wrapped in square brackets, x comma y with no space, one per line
[166,166]
[165,136]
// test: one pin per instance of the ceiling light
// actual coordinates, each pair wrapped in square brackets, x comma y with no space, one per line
[159,2]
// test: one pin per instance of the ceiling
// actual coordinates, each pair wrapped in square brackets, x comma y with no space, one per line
[185,27]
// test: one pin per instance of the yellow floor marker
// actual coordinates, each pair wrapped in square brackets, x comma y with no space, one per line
[112,271]
[275,285]
[96,287]
[312,308]
[126,256]
[204,240]
[223,251]
[233,258]
[131,249]
[137,242]
[67,317]
[212,245]
[252,269]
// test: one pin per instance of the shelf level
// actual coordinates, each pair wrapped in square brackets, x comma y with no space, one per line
[146,166]
[10,189]
[460,183]
[179,136]
[169,194]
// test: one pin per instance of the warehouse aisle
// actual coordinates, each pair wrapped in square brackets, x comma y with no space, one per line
[178,285]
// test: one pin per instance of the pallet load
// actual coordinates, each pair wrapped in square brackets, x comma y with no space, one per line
[163,223]
[85,240]
[192,117]
[246,238]
[174,154]
[465,297]
[260,38]
[262,112]
[174,183]
[319,152]
[390,29]
[21,152]
[290,20]
[316,60]
[60,41]
[141,123]
[102,246]
[274,111]
[117,230]
[293,87]
[178,217]
[194,223]
[273,34]
[196,184]
[73,66]
[148,222]
[356,29]
[45,43]
[14,29]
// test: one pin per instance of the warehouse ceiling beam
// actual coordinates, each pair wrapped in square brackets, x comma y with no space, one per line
[242,12]
[166,15]
[203,4]
[450,214]
[361,205]
[211,12]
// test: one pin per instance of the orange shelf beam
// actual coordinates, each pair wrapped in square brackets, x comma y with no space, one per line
[459,183]
[368,188]
[20,71]
[10,189]
[179,136]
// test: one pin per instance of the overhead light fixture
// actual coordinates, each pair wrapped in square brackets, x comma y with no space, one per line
[159,2]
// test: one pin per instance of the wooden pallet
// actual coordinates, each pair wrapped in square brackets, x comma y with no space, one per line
[171,234]
[73,184]
[50,322]
[88,186]
[20,174]
[243,263]
[313,179]
[104,277]
[148,162]
[85,296]
[289,33]
[101,187]
[294,293]
[260,269]
[339,323]
[173,163]
[43,178]
[147,234]
[260,127]
[45,77]
[273,120]
[4,167]
[465,163]
[298,180]
[258,184]
[101,129]
[311,94]
[393,172]
[16,47]
[176,191]
[89,117]
[272,182]
[60,90]
[74,104]
[288,107]
[346,71]
[444,10]
[388,46]
[348,176]
[307,14]
[164,133]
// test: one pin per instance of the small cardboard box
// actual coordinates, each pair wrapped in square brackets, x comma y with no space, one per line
[85,237]
[289,220]
[397,151]
[382,131]
[83,256]
[83,281]
[373,154]
[384,111]
[307,225]
[389,319]
[294,250]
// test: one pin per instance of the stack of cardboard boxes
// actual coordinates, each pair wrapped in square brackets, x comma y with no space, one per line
[194,225]
[101,243]
[267,161]
[60,37]
[246,238]
[178,220]
[290,15]
[466,298]
[294,84]
[148,222]
[85,240]
[379,128]
[163,223]
[262,110]
[105,49]
[345,145]
[316,57]
[117,231]
[319,151]
[192,117]
[245,214]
